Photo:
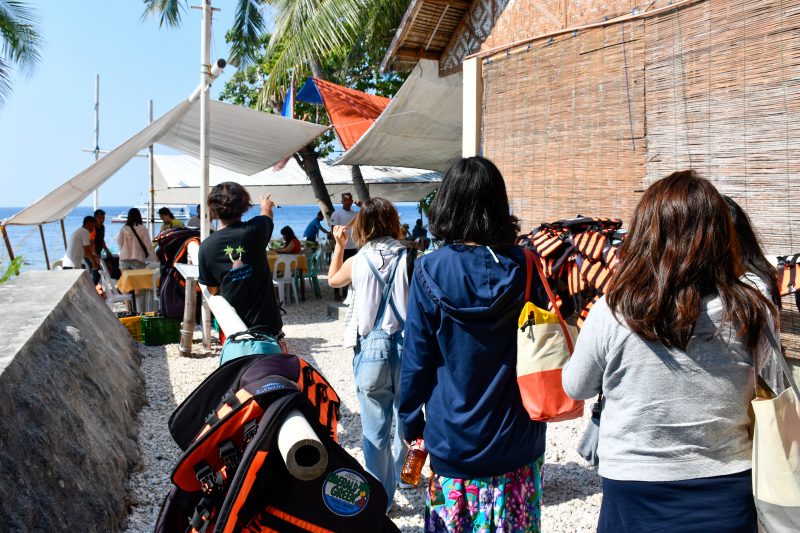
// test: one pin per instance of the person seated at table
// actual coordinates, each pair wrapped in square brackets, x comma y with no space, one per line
[291,244]
[233,260]
[135,247]
[168,219]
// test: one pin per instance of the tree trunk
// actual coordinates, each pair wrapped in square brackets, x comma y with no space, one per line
[307,158]
[358,182]
[318,71]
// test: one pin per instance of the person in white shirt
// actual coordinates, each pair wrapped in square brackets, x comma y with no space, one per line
[344,217]
[135,246]
[194,221]
[80,246]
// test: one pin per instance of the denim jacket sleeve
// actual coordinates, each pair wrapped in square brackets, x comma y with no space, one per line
[420,356]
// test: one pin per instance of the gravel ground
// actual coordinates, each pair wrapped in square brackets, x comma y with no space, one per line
[571,489]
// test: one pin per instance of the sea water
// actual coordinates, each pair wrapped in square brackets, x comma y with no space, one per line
[27,243]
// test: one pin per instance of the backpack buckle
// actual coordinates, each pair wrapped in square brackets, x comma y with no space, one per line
[250,430]
[205,475]
[230,457]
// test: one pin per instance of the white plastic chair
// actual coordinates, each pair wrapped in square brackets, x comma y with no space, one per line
[110,289]
[58,265]
[285,278]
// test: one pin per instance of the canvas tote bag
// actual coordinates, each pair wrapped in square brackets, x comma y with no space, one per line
[776,454]
[544,345]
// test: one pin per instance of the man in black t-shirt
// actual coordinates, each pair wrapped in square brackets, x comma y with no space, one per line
[233,260]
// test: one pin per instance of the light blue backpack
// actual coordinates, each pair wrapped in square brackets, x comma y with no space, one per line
[257,340]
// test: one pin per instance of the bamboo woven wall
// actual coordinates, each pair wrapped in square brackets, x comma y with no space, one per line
[715,86]
[723,96]
[564,121]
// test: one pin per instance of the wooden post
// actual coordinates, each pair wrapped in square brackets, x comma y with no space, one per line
[473,106]
[187,326]
[63,233]
[8,242]
[44,247]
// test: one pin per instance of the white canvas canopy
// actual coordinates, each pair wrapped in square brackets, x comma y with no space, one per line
[242,139]
[421,126]
[177,180]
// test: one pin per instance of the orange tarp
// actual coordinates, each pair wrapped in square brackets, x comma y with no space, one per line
[351,112]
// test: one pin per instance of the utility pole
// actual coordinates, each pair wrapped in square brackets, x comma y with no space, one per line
[205,71]
[152,206]
[97,134]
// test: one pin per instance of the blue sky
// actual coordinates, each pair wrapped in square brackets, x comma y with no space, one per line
[49,116]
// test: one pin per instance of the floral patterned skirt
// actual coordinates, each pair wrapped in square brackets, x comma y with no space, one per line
[506,503]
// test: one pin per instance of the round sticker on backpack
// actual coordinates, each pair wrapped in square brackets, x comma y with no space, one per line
[345,492]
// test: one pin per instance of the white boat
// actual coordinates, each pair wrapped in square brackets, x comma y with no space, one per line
[182,212]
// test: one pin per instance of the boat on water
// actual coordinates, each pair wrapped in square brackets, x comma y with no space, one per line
[182,212]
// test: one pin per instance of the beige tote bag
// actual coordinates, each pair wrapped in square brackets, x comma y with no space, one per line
[776,455]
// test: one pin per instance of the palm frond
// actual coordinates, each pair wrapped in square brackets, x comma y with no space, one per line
[311,29]
[245,35]
[168,11]
[19,33]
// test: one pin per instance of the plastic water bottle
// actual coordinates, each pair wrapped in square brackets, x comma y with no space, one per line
[415,459]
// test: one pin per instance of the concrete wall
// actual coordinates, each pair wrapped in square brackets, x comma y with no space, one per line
[70,388]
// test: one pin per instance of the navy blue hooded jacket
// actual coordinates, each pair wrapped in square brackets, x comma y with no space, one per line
[459,361]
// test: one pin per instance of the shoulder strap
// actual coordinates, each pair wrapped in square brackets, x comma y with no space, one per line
[144,248]
[530,258]
[386,296]
[776,349]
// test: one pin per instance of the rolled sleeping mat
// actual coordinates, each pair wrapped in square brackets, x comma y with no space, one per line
[304,454]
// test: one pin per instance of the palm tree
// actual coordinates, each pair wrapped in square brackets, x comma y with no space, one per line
[307,34]
[20,41]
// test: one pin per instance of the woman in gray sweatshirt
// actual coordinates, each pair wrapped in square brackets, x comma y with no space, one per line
[673,346]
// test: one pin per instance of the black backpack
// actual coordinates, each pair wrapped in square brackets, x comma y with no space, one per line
[173,249]
[232,477]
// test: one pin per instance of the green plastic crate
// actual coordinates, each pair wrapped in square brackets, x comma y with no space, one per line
[158,330]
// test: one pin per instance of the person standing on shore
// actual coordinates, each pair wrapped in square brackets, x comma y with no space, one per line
[312,232]
[99,241]
[674,349]
[135,247]
[194,220]
[80,247]
[233,259]
[458,387]
[374,329]
[343,217]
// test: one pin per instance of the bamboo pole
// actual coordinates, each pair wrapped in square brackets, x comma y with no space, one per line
[63,233]
[8,242]
[187,326]
[44,247]
[522,44]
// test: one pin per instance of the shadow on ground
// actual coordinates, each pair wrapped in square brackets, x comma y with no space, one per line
[571,481]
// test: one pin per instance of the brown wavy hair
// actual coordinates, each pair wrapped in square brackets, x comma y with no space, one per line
[682,247]
[377,218]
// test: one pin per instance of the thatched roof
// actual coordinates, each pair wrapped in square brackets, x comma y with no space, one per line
[425,31]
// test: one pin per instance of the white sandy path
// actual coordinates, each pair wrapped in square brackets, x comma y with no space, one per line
[571,492]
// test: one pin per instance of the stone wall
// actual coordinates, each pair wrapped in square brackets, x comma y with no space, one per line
[70,388]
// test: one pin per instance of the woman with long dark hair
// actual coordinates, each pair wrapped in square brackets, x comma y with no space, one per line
[291,244]
[751,252]
[673,347]
[135,246]
[374,329]
[459,361]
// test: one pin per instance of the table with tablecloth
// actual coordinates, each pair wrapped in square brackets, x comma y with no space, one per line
[139,279]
